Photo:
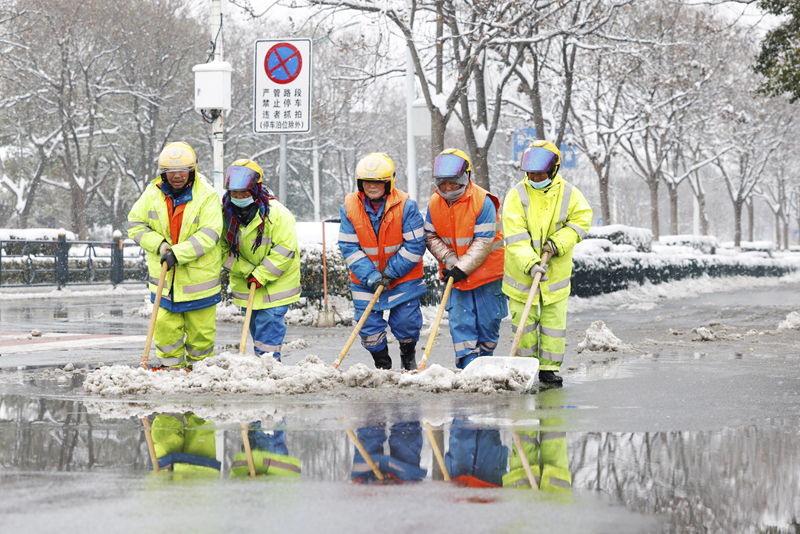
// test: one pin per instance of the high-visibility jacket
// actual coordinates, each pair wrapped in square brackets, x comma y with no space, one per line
[554,474]
[456,226]
[266,463]
[275,263]
[390,243]
[531,217]
[196,275]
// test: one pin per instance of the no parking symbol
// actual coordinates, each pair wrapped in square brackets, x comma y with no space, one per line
[282,84]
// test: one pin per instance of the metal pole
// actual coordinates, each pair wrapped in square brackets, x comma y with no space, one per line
[411,165]
[315,166]
[218,8]
[282,175]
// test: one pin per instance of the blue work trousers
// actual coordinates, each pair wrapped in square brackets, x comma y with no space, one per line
[475,317]
[405,320]
[268,330]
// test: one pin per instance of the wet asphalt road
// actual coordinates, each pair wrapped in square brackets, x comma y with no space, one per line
[671,435]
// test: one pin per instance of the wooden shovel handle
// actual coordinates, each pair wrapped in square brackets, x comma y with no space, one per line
[248,313]
[424,362]
[527,309]
[154,316]
[357,329]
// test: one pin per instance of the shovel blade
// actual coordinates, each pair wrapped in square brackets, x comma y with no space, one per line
[529,366]
[326,319]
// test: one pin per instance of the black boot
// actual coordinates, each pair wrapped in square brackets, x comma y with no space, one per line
[408,352]
[382,359]
[550,378]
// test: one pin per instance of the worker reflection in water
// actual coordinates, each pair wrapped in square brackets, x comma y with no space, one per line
[270,455]
[402,462]
[185,444]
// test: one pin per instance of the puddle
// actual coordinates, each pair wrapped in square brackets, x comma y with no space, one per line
[594,481]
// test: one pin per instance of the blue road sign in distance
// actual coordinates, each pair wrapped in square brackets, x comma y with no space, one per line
[283,63]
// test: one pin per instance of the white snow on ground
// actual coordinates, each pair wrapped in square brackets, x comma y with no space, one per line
[792,322]
[118,291]
[235,373]
[647,296]
[599,338]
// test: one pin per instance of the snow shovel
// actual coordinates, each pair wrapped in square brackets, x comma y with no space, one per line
[357,329]
[435,327]
[527,309]
[326,318]
[154,315]
[248,313]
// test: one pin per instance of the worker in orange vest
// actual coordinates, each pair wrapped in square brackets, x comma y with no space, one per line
[383,242]
[463,232]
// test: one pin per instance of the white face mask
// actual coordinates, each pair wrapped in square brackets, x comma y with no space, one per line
[453,195]
[242,202]
[542,184]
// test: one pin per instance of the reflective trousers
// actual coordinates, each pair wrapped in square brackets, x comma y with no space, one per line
[268,330]
[475,316]
[186,337]
[545,333]
[405,320]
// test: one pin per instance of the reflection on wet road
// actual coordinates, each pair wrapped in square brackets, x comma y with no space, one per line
[732,480]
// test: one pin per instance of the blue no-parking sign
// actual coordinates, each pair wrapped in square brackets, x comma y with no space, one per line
[282,85]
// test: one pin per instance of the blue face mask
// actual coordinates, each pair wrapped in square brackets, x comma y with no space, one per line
[242,202]
[541,185]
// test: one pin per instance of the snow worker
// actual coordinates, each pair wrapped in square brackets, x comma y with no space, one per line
[382,239]
[476,457]
[260,244]
[402,462]
[178,221]
[463,232]
[270,455]
[185,444]
[542,213]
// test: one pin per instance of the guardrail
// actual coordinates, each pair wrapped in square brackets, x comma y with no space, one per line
[62,262]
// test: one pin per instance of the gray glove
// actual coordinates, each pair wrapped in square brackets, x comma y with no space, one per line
[163,248]
[551,248]
[539,269]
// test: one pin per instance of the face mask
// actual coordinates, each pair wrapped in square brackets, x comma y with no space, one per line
[242,202]
[541,185]
[453,195]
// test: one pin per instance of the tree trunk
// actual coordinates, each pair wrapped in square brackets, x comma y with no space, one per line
[701,198]
[438,126]
[480,168]
[750,230]
[737,223]
[654,207]
[78,205]
[605,207]
[672,189]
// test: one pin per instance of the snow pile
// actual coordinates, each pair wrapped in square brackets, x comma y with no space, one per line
[235,373]
[705,334]
[619,234]
[34,234]
[599,338]
[792,322]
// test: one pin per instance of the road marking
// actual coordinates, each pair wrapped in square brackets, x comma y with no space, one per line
[18,342]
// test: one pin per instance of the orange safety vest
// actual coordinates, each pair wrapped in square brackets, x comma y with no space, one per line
[382,247]
[456,224]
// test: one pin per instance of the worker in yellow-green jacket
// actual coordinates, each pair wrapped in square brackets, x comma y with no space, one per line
[542,213]
[260,247]
[178,221]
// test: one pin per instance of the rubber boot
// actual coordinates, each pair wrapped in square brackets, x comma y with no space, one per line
[550,378]
[382,359]
[408,353]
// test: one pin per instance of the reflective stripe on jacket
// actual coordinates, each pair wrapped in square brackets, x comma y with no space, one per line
[275,262]
[531,217]
[197,272]
[456,226]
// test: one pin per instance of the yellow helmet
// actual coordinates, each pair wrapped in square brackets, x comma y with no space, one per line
[177,157]
[453,165]
[242,175]
[376,167]
[541,156]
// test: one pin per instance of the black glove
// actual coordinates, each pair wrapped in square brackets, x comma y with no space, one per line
[170,258]
[456,273]
[385,282]
[253,280]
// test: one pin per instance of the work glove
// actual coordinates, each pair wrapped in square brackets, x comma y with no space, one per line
[456,273]
[539,269]
[551,248]
[163,248]
[253,280]
[385,282]
[170,258]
